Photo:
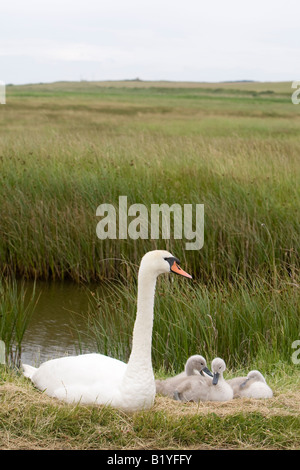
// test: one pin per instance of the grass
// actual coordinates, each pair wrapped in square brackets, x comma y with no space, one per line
[66,148]
[248,325]
[15,313]
[31,420]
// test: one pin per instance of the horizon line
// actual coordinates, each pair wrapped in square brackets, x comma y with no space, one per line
[139,80]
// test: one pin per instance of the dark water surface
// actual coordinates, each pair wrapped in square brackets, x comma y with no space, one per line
[58,317]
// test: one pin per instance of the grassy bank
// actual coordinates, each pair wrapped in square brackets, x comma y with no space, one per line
[67,148]
[31,420]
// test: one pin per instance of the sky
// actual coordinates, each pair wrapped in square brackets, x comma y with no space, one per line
[186,40]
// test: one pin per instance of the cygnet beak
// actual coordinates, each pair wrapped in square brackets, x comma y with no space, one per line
[207,371]
[215,378]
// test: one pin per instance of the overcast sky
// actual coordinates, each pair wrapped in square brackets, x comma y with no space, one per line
[187,40]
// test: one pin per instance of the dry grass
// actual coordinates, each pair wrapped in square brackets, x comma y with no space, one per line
[283,404]
[31,420]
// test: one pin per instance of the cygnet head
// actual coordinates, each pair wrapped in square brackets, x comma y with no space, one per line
[256,375]
[161,261]
[218,366]
[197,362]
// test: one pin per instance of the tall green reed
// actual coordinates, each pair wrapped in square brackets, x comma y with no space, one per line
[15,313]
[49,202]
[246,323]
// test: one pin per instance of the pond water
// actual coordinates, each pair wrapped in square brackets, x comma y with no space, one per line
[53,328]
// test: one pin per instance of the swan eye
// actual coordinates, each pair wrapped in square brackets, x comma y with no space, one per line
[171,260]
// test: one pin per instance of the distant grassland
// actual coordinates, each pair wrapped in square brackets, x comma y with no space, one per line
[66,147]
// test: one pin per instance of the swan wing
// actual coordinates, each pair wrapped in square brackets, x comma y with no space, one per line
[257,390]
[73,377]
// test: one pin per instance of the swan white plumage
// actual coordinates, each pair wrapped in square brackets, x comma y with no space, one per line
[252,386]
[198,388]
[195,365]
[99,379]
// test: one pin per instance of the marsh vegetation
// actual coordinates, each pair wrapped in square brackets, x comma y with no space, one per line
[65,148]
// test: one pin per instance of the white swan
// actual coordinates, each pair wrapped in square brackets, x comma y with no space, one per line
[198,388]
[98,379]
[252,386]
[195,365]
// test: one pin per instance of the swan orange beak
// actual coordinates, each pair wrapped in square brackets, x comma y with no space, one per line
[175,268]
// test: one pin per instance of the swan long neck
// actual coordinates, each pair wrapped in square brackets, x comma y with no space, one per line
[140,357]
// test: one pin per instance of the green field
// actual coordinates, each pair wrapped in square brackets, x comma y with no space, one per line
[66,148]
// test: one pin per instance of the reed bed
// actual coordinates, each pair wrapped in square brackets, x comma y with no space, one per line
[64,152]
[247,325]
[16,309]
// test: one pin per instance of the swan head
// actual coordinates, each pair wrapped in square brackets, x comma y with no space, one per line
[217,366]
[161,261]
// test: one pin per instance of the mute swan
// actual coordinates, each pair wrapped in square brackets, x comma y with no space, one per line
[99,379]
[194,365]
[198,388]
[252,386]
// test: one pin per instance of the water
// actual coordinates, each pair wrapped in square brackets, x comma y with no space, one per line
[53,328]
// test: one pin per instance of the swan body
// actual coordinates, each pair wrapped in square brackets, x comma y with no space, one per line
[252,386]
[79,378]
[198,388]
[195,365]
[99,379]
